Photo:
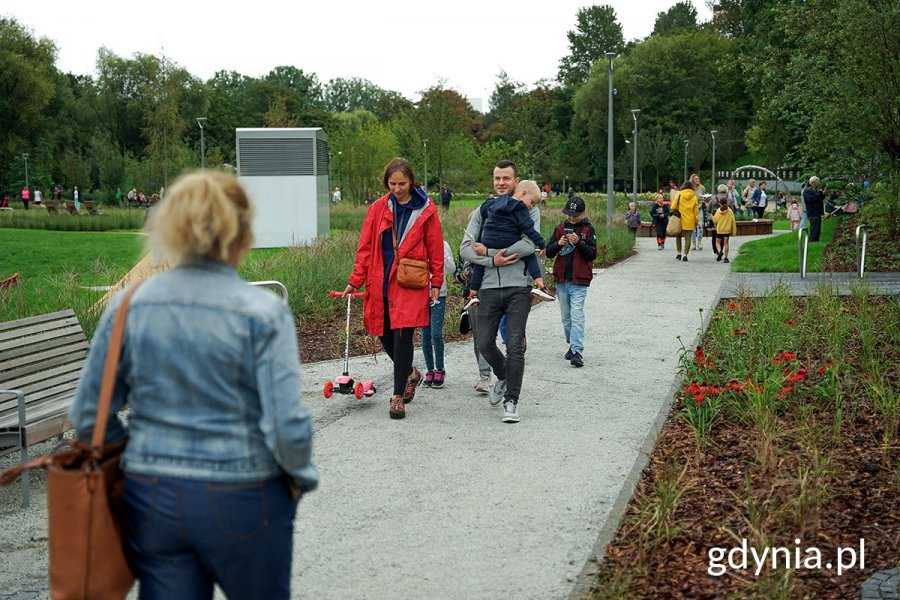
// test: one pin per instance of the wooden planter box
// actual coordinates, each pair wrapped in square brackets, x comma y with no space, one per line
[759,227]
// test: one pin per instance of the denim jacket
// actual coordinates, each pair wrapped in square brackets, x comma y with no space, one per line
[211,372]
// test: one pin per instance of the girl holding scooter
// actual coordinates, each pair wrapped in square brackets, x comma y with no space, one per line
[400,261]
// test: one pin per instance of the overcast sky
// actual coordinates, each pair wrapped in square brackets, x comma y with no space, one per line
[400,45]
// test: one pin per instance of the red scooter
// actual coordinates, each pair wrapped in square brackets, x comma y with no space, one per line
[344,384]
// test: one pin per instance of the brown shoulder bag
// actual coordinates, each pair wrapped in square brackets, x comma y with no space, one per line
[84,500]
[411,273]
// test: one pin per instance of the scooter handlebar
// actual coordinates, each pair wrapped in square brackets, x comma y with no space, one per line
[335,294]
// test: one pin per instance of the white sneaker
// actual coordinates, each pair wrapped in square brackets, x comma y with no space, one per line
[497,392]
[473,302]
[510,412]
[543,293]
[483,385]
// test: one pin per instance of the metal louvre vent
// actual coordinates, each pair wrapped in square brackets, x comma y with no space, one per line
[268,157]
[321,157]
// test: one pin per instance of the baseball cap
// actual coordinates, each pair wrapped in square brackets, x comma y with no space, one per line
[574,207]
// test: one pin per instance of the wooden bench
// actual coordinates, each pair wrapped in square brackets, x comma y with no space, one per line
[70,206]
[40,363]
[91,208]
[51,207]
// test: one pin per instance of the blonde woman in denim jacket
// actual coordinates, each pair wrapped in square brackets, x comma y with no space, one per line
[219,444]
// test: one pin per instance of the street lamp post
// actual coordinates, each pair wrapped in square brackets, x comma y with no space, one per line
[425,149]
[713,134]
[610,202]
[25,156]
[634,184]
[686,142]
[341,170]
[200,121]
[625,171]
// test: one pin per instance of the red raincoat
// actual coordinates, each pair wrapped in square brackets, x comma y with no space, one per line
[424,240]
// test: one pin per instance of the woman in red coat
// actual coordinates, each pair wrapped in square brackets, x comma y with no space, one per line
[403,224]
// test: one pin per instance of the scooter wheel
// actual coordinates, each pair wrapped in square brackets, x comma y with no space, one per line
[328,392]
[358,391]
[369,388]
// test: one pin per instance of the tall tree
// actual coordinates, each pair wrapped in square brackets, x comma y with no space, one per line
[678,18]
[505,91]
[596,31]
[342,95]
[306,88]
[27,85]
[532,121]
[441,114]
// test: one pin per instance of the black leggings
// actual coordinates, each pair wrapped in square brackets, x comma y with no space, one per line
[398,343]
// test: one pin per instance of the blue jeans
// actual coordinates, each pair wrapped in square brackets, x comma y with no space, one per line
[183,535]
[433,336]
[804,220]
[571,306]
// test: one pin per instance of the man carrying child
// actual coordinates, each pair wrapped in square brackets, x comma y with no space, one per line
[575,243]
[505,220]
[506,289]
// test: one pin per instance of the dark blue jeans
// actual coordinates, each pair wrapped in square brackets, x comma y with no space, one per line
[182,536]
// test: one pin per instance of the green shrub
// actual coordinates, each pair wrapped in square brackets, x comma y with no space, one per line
[112,219]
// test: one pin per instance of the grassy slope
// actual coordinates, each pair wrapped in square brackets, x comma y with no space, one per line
[778,254]
[54,266]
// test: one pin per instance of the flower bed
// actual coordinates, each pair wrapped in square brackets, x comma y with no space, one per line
[783,435]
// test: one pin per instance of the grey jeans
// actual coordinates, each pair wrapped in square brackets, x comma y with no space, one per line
[515,303]
[484,369]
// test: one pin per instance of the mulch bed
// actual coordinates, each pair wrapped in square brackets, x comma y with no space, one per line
[882,251]
[725,486]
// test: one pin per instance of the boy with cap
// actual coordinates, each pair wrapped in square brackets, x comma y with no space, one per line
[574,243]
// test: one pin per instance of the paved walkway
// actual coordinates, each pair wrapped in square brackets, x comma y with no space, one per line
[452,503]
[760,284]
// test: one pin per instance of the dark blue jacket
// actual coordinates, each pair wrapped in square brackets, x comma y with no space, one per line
[505,221]
[815,202]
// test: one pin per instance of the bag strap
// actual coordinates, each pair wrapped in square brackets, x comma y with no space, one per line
[110,367]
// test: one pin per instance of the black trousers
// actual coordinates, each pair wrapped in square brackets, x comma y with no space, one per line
[815,228]
[398,343]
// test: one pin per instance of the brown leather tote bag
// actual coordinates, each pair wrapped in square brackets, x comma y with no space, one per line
[411,273]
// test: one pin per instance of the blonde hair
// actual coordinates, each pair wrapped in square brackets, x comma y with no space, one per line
[205,213]
[528,187]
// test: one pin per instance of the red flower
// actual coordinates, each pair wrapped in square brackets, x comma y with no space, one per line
[790,322]
[784,391]
[788,356]
[698,399]
[733,305]
[739,332]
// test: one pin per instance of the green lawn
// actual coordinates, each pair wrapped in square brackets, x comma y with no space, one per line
[778,254]
[55,266]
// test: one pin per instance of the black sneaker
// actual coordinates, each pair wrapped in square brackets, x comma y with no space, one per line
[719,257]
[726,260]
[576,360]
[677,257]
[684,259]
[569,353]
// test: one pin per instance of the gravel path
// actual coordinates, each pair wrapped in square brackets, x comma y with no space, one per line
[452,503]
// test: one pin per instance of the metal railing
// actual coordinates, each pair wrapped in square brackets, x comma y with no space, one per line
[861,251]
[275,285]
[803,249]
